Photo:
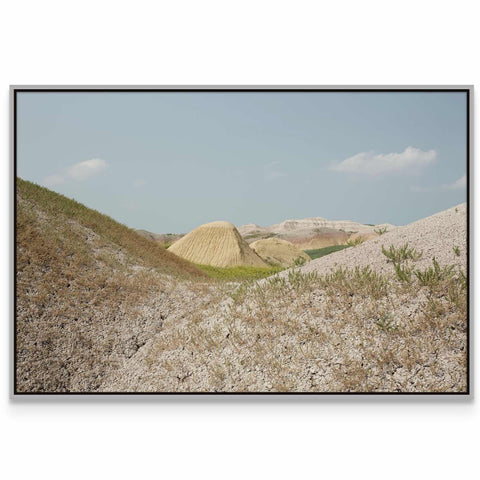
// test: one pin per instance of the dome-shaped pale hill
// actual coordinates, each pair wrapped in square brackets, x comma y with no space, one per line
[278,252]
[217,244]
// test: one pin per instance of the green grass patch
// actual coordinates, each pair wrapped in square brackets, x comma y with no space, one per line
[260,235]
[321,252]
[238,273]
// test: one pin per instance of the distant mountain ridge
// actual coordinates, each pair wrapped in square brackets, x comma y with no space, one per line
[304,233]
[295,225]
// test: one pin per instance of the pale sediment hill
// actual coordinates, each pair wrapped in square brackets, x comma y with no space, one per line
[218,244]
[443,236]
[279,252]
[322,237]
[310,224]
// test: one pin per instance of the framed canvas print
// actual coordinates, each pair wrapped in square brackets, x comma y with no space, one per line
[241,240]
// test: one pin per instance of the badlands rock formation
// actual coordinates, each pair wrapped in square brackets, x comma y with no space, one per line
[218,244]
[311,233]
[279,252]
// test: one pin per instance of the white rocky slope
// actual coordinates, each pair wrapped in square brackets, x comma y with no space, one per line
[436,236]
[317,337]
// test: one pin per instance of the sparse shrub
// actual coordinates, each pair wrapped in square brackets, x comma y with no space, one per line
[299,281]
[403,272]
[401,254]
[380,231]
[386,323]
[240,293]
[456,251]
[276,281]
[399,257]
[353,242]
[298,262]
[434,310]
[433,276]
[359,281]
[368,281]
[457,291]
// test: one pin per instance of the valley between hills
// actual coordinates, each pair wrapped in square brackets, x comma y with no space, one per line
[306,305]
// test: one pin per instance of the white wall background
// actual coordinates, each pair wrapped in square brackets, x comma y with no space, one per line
[219,42]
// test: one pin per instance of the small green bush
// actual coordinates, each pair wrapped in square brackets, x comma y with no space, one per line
[380,231]
[298,262]
[401,254]
[403,272]
[433,276]
[355,242]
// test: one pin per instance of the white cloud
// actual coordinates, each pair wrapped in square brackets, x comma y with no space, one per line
[86,169]
[411,160]
[272,171]
[79,172]
[457,184]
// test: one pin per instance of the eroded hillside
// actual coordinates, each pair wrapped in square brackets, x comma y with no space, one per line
[103,309]
[82,280]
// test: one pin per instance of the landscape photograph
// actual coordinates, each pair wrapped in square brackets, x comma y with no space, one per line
[241,241]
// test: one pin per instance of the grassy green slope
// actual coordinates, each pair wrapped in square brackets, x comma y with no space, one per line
[232,274]
[82,283]
[59,208]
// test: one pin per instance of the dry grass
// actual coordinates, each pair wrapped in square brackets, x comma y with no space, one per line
[350,331]
[81,281]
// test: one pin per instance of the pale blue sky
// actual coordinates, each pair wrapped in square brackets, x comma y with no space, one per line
[168,162]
